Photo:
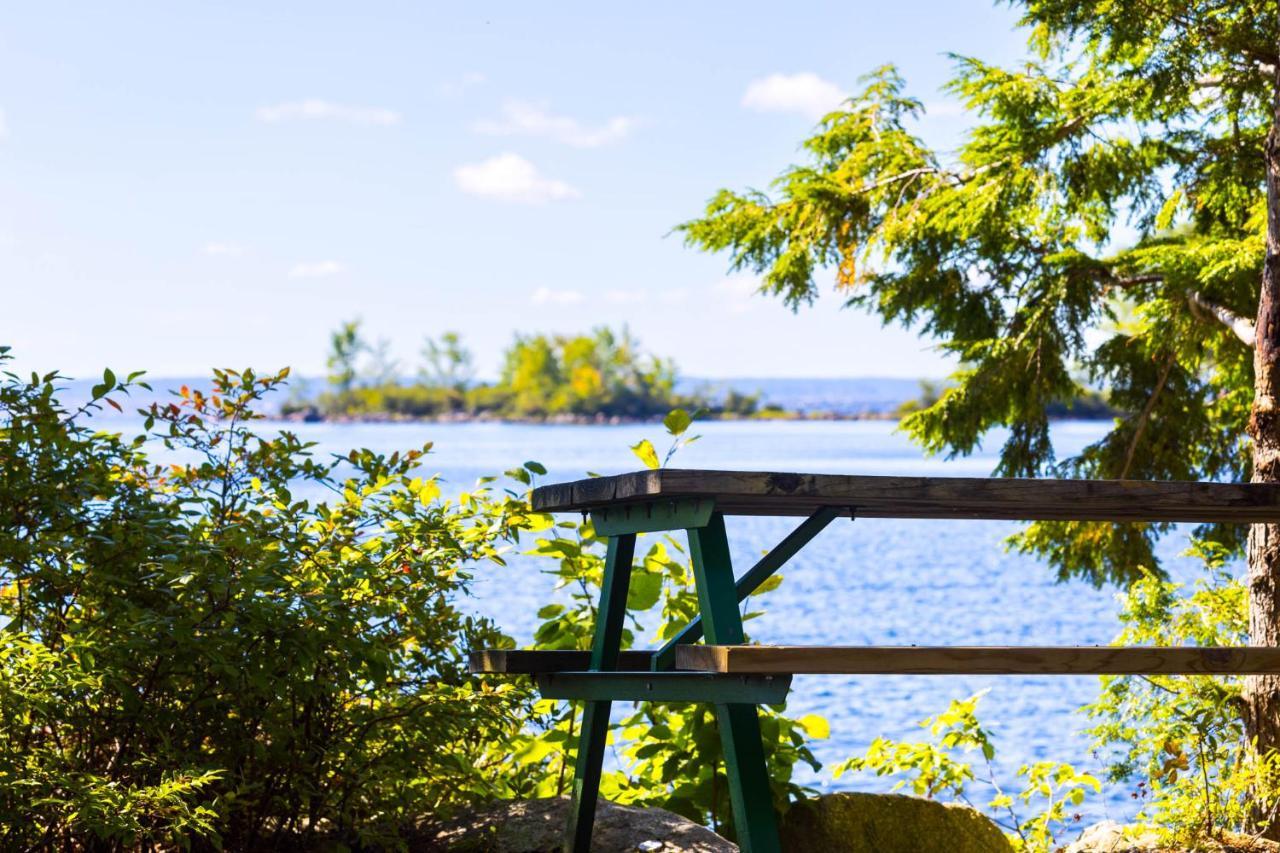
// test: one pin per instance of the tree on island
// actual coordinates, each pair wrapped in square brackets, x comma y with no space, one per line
[603,373]
[1153,125]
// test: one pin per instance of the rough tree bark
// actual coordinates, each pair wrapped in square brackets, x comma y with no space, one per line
[1262,692]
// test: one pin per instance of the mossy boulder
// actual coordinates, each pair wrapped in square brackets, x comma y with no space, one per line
[537,826]
[888,823]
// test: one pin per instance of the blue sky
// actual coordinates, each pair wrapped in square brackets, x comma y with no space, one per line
[192,185]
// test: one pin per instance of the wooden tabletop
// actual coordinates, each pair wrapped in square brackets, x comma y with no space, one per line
[771,493]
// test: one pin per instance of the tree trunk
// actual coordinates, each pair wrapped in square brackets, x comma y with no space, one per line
[1262,692]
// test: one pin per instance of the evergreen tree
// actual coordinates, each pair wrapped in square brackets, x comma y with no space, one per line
[1113,214]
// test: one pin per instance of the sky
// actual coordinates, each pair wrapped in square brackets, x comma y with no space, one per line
[185,185]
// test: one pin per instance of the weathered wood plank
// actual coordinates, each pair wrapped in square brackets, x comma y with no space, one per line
[988,660]
[534,661]
[764,493]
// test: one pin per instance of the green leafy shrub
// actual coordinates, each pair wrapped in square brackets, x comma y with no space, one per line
[936,768]
[1179,739]
[195,648]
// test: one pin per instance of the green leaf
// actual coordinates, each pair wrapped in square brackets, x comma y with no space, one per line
[815,726]
[644,590]
[677,421]
[1164,219]
[770,583]
[644,451]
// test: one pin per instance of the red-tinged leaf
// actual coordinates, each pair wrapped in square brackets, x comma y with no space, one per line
[113,404]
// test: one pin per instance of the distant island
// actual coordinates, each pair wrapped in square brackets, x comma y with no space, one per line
[603,376]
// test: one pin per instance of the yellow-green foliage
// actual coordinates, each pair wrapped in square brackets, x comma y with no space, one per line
[1108,190]
[1050,790]
[602,373]
[190,649]
[1178,740]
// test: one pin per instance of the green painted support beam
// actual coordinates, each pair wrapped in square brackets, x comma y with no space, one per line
[665,687]
[744,761]
[652,516]
[664,658]
[595,715]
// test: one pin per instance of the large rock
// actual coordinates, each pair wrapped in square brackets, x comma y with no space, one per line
[888,823]
[537,826]
[1112,837]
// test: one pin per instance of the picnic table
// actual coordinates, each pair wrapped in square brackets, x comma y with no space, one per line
[736,677]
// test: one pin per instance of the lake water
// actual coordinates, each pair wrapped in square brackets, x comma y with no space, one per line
[870,581]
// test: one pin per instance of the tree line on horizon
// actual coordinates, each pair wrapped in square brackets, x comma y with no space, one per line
[603,373]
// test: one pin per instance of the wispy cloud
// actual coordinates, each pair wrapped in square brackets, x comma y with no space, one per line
[522,118]
[225,250]
[626,297]
[510,177]
[316,269]
[547,296]
[805,93]
[316,109]
[458,86]
[4,126]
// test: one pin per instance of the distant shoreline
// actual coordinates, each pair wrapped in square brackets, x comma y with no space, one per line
[604,420]
[566,419]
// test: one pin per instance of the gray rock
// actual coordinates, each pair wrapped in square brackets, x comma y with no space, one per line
[537,826]
[1112,837]
[888,823]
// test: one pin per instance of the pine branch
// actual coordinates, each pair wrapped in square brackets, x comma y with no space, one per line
[1145,416]
[1241,326]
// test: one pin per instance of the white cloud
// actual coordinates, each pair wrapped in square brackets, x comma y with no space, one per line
[4,126]
[547,296]
[805,93]
[226,250]
[317,269]
[520,118]
[458,86]
[318,109]
[510,177]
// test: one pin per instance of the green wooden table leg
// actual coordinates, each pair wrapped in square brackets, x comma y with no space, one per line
[595,715]
[739,724]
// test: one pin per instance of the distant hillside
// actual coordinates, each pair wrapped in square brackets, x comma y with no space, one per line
[852,396]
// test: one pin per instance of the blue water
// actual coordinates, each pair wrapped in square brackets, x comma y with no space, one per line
[862,582]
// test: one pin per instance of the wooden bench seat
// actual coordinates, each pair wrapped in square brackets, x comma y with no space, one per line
[904,660]
[765,493]
[979,660]
[533,661]
[763,689]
